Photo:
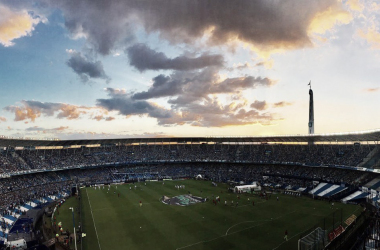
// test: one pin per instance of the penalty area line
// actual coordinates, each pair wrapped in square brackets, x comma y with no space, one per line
[267,220]
[204,241]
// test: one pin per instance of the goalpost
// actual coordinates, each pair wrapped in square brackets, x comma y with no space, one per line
[316,240]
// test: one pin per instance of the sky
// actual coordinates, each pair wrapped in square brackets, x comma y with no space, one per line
[160,68]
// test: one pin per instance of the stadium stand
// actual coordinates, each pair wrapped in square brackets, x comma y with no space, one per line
[327,190]
[374,184]
[29,176]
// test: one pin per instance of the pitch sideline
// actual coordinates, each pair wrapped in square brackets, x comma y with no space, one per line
[96,231]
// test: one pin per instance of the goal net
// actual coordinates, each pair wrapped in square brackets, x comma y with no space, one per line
[315,240]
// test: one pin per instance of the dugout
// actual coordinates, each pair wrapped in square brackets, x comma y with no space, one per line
[292,192]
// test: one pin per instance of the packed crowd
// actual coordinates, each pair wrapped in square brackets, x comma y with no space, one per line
[310,155]
[21,188]
[223,172]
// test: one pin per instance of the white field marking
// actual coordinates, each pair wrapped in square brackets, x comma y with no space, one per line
[257,221]
[88,198]
[217,237]
[290,238]
[302,232]
[203,241]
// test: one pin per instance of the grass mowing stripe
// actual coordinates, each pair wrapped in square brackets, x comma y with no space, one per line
[88,198]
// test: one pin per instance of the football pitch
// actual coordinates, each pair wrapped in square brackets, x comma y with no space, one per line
[114,219]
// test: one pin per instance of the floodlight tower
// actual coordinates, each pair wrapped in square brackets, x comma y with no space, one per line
[311,111]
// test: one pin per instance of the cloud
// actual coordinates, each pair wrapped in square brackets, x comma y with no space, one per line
[101,117]
[259,105]
[31,110]
[196,85]
[106,25]
[109,118]
[268,64]
[241,66]
[15,24]
[208,112]
[61,128]
[144,58]
[212,113]
[372,36]
[163,86]
[94,135]
[194,98]
[325,20]
[123,103]
[355,5]
[45,130]
[70,112]
[3,119]
[372,90]
[282,104]
[85,68]
[98,117]
[265,25]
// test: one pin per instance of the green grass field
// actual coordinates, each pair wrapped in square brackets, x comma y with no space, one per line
[113,222]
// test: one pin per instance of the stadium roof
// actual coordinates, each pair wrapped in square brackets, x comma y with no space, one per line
[363,136]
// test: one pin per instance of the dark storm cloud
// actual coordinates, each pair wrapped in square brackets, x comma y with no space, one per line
[144,58]
[110,24]
[123,103]
[85,68]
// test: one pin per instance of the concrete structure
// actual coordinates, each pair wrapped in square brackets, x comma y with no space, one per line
[311,111]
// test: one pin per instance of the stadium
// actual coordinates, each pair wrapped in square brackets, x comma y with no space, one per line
[186,125]
[321,189]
